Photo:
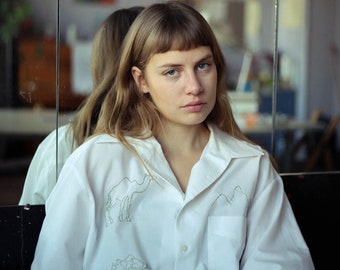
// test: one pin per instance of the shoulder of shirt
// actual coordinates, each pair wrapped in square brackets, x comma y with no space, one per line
[44,157]
[99,139]
[234,147]
[106,142]
[65,137]
[102,138]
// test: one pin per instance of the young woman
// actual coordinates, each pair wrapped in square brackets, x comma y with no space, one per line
[44,168]
[169,181]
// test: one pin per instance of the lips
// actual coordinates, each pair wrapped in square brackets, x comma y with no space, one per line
[194,103]
[194,106]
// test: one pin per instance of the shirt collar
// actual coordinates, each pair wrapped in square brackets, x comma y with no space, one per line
[220,143]
[231,147]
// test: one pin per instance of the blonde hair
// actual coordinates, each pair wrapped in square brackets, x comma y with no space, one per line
[105,56]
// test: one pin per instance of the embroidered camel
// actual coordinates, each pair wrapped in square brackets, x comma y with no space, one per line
[121,195]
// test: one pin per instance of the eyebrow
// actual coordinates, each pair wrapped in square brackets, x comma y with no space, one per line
[204,58]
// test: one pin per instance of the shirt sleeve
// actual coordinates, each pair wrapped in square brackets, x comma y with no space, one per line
[41,175]
[274,238]
[64,233]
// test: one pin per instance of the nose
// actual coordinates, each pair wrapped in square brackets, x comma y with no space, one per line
[193,84]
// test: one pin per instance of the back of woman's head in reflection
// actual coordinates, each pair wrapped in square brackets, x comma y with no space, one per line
[108,40]
[105,57]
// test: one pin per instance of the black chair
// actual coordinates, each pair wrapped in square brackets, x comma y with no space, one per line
[315,201]
[19,231]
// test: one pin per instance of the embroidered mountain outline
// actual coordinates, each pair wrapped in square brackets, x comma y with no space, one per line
[229,200]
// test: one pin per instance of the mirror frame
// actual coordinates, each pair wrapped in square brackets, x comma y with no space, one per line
[274,83]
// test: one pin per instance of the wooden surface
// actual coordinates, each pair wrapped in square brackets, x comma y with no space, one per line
[37,74]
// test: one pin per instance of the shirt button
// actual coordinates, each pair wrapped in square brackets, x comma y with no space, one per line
[184,248]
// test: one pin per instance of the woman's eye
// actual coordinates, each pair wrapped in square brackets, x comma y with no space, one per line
[203,66]
[171,73]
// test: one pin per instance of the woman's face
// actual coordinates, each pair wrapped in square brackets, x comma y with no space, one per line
[182,84]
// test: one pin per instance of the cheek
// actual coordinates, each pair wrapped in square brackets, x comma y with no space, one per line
[161,95]
[161,89]
[210,84]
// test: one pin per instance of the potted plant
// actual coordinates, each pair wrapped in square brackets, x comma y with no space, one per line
[12,15]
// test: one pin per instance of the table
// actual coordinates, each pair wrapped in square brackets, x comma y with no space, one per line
[258,127]
[257,124]
[28,122]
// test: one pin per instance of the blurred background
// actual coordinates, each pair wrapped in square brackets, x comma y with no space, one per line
[302,77]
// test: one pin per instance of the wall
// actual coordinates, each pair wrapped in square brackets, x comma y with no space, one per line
[292,42]
[86,16]
[324,32]
[322,35]
[336,41]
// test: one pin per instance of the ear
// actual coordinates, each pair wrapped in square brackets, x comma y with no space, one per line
[138,76]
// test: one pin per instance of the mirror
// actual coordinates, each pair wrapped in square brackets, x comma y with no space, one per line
[308,43]
[295,77]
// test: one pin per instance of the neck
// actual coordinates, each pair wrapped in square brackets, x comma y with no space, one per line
[183,139]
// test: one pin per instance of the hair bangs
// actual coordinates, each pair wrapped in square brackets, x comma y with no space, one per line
[176,31]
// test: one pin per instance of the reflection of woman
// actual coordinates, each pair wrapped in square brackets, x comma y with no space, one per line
[168,181]
[43,170]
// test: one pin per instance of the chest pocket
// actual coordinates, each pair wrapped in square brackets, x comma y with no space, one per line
[226,241]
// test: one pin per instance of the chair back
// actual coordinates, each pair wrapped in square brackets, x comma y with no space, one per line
[19,231]
[314,198]
[325,147]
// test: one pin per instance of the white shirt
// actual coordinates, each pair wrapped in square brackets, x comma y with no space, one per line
[108,211]
[42,173]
